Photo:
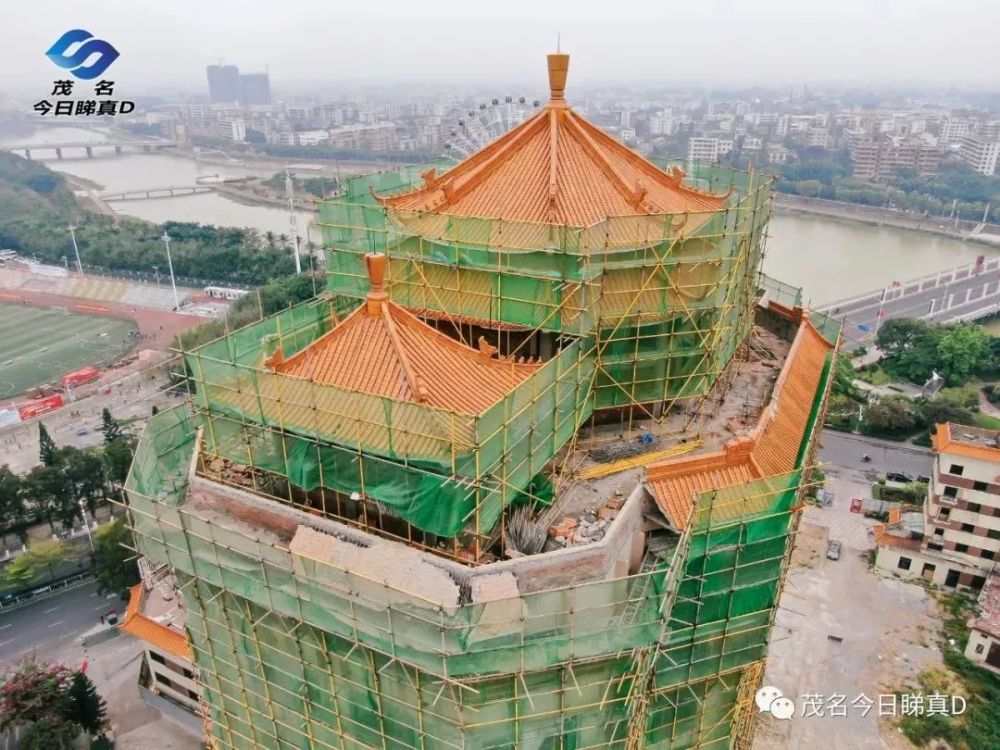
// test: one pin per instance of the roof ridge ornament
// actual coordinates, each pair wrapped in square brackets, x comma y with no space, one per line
[558,70]
[375,264]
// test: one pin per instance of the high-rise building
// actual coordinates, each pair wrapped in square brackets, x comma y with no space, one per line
[981,155]
[255,89]
[223,83]
[412,512]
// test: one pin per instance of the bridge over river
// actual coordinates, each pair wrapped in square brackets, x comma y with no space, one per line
[89,147]
[969,292]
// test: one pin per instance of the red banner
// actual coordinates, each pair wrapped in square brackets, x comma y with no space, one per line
[41,406]
[79,377]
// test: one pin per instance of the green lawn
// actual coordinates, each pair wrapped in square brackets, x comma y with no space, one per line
[39,346]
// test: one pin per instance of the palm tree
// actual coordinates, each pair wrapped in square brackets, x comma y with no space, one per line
[269,238]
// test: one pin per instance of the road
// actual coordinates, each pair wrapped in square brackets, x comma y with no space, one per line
[843,452]
[130,398]
[48,625]
[955,294]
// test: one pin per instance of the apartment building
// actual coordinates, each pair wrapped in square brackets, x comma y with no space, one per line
[957,540]
[980,154]
[379,136]
[880,158]
[703,149]
[233,130]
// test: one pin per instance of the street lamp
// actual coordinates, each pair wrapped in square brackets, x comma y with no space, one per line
[170,265]
[293,223]
[90,537]
[72,233]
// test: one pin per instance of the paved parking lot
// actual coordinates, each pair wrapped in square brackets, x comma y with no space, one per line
[843,630]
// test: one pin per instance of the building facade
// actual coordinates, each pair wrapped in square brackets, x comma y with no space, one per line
[882,157]
[703,149]
[981,155]
[255,89]
[984,629]
[957,540]
[223,83]
[505,483]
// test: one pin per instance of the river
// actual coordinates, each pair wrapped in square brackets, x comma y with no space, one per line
[829,258]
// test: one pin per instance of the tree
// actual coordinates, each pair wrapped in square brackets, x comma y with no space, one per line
[46,446]
[118,459]
[13,514]
[51,493]
[910,347]
[110,427]
[51,703]
[85,471]
[960,351]
[113,562]
[939,412]
[32,691]
[40,558]
[891,415]
[843,378]
[49,733]
[85,707]
[900,334]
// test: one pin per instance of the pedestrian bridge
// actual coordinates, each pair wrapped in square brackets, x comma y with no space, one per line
[969,292]
[90,148]
[169,191]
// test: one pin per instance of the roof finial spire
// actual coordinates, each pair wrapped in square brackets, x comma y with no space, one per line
[375,263]
[558,68]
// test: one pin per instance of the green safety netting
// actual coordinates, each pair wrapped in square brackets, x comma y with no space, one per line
[437,470]
[300,653]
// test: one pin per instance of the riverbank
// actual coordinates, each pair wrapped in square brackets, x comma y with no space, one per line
[254,193]
[989,235]
[311,167]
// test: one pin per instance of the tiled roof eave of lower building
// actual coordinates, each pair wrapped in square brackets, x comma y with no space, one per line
[770,450]
[150,631]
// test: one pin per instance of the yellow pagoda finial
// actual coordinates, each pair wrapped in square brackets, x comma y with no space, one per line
[558,68]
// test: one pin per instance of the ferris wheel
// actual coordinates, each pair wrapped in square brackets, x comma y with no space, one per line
[475,128]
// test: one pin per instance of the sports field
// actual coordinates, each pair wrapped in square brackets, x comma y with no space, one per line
[39,345]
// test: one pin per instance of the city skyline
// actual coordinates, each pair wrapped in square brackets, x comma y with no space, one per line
[776,43]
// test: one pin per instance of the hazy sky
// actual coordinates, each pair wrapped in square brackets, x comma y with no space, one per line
[169,42]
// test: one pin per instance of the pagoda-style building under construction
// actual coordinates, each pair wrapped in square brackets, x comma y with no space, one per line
[524,475]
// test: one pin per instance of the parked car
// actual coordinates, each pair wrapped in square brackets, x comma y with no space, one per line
[898,476]
[82,430]
[923,478]
[833,550]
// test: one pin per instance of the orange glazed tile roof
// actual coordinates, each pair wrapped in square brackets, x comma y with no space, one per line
[770,450]
[555,168]
[974,442]
[154,633]
[384,350]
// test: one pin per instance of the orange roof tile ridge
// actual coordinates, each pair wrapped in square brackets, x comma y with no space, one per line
[327,337]
[553,161]
[633,195]
[416,384]
[640,162]
[407,318]
[470,173]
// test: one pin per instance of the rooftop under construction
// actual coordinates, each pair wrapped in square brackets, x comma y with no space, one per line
[525,475]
